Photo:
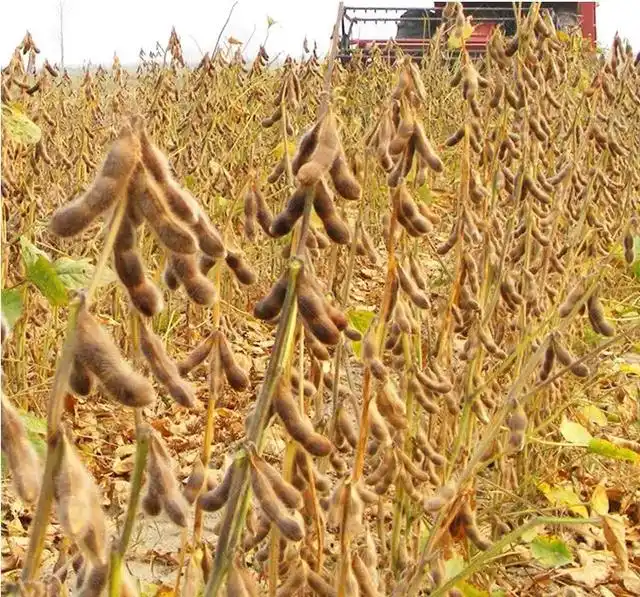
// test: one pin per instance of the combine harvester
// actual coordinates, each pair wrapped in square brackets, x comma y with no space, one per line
[415,26]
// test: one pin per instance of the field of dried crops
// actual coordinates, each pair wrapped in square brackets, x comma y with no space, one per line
[362,329]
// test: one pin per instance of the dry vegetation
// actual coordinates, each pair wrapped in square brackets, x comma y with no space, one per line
[381,318]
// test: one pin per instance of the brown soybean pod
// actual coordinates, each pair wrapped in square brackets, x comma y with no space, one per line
[319,585]
[425,149]
[237,378]
[196,356]
[164,369]
[312,310]
[269,306]
[273,507]
[107,188]
[263,213]
[568,360]
[214,499]
[250,211]
[199,288]
[209,239]
[306,146]
[572,298]
[284,222]
[325,152]
[336,229]
[343,179]
[97,352]
[298,424]
[147,195]
[22,459]
[81,381]
[596,316]
[286,492]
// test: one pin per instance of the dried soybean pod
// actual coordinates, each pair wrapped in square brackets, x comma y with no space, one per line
[319,585]
[430,383]
[313,311]
[347,428]
[81,381]
[263,213]
[416,273]
[273,507]
[298,424]
[547,363]
[596,316]
[629,253]
[196,356]
[343,179]
[242,271]
[215,498]
[425,149]
[286,492]
[418,298]
[336,229]
[94,581]
[195,482]
[456,137]
[448,244]
[306,146]
[97,352]
[199,288]
[180,201]
[250,211]
[107,188]
[147,196]
[284,222]
[75,491]
[411,212]
[325,152]
[235,582]
[22,459]
[296,580]
[164,369]
[412,468]
[568,360]
[517,425]
[269,306]
[403,135]
[307,387]
[209,239]
[577,292]
[169,277]
[489,343]
[236,376]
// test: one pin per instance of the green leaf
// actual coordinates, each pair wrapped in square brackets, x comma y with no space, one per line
[551,552]
[468,590]
[33,423]
[453,567]
[190,182]
[19,126]
[77,273]
[594,415]
[43,275]
[30,252]
[11,303]
[424,194]
[360,320]
[270,22]
[564,496]
[575,433]
[605,448]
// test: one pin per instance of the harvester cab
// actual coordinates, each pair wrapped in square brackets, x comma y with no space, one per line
[410,29]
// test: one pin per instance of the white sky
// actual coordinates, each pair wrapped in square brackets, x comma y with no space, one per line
[95,30]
